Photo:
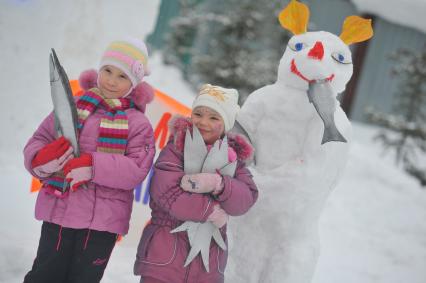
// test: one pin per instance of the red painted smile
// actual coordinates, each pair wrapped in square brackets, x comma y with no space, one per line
[294,70]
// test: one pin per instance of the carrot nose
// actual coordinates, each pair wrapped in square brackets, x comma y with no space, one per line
[317,52]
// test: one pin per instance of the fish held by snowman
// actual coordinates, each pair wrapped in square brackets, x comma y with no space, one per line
[301,138]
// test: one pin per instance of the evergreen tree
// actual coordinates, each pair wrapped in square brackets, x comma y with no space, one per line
[179,41]
[406,128]
[233,43]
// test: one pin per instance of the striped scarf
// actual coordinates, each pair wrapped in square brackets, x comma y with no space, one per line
[113,129]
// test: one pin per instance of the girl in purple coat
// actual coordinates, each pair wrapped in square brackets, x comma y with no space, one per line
[161,255]
[81,225]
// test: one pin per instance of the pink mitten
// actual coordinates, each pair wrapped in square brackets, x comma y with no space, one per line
[201,183]
[218,217]
[55,165]
[78,170]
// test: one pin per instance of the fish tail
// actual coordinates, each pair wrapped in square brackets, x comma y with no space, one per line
[331,133]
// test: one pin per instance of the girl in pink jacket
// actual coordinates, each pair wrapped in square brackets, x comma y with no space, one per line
[177,197]
[81,225]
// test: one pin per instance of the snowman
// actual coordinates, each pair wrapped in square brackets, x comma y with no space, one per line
[301,138]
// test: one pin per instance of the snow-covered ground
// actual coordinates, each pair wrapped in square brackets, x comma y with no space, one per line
[373,228]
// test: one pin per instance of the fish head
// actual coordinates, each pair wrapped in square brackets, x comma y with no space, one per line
[317,56]
[53,70]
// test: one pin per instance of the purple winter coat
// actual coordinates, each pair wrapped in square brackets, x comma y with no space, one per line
[106,205]
[160,254]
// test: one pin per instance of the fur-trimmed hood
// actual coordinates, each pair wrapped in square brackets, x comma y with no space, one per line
[179,124]
[141,95]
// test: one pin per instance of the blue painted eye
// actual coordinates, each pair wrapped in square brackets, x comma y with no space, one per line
[296,46]
[339,57]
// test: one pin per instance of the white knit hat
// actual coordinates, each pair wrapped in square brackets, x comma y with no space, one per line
[129,55]
[223,100]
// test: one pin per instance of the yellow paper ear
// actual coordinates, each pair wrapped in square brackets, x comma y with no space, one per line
[295,17]
[356,29]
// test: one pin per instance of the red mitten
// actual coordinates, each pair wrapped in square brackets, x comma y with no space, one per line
[78,171]
[45,170]
[51,151]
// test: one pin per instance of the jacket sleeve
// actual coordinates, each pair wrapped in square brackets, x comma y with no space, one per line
[166,192]
[126,171]
[44,135]
[239,193]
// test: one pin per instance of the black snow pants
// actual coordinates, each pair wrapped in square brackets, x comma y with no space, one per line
[67,255]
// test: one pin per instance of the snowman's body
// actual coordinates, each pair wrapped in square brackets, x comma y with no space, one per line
[277,240]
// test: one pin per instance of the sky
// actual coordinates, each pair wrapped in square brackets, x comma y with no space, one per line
[372,229]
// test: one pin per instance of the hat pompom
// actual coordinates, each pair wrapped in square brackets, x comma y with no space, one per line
[88,79]
[142,94]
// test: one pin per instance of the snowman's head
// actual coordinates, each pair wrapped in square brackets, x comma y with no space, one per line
[318,56]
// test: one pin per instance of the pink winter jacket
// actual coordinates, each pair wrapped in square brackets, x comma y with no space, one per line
[160,254]
[107,202]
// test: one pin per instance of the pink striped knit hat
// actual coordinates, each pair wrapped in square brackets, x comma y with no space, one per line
[130,56]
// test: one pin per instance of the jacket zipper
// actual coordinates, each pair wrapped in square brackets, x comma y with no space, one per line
[187,273]
[188,267]
[171,163]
